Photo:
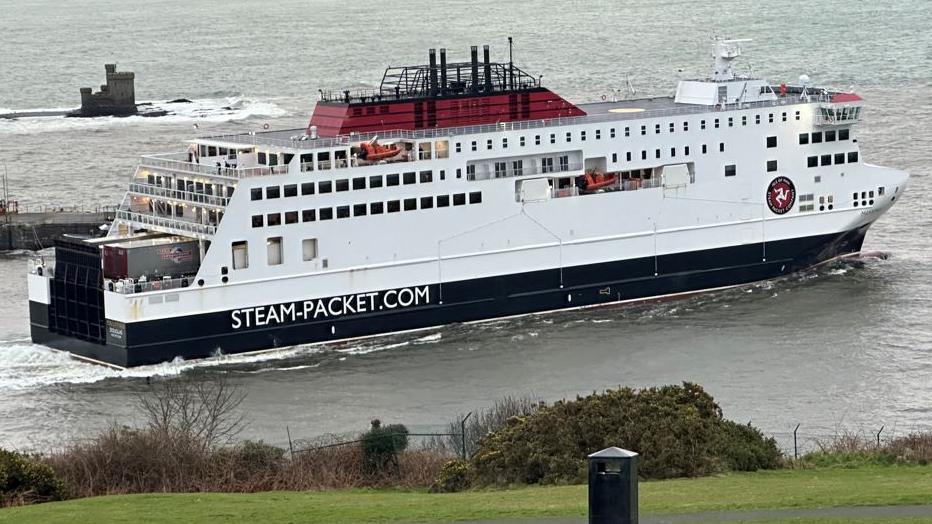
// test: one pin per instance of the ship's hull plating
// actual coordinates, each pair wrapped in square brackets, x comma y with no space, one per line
[198,336]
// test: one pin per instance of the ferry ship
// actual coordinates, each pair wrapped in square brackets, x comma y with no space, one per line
[457,192]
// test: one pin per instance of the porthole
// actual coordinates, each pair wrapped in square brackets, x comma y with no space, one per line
[871,202]
[225,279]
[200,281]
[855,203]
[831,207]
[821,208]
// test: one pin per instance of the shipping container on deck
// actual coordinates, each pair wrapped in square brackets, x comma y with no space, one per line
[153,257]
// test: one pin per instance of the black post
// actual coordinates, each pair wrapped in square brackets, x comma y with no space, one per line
[878,435]
[795,446]
[443,71]
[613,487]
[474,57]
[488,69]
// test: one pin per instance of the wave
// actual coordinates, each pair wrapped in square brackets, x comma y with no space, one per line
[212,110]
[29,366]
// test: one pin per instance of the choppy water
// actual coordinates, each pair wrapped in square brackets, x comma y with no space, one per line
[846,346]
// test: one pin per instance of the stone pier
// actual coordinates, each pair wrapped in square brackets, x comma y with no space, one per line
[35,231]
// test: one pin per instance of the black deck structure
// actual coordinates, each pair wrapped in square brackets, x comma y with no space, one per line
[446,79]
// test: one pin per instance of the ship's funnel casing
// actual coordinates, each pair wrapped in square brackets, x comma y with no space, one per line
[432,68]
[425,97]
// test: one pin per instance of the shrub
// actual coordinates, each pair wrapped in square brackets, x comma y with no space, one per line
[744,448]
[257,455]
[913,448]
[454,476]
[849,449]
[678,431]
[127,460]
[27,480]
[380,446]
[484,421]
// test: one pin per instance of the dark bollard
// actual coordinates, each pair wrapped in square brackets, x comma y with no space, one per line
[613,487]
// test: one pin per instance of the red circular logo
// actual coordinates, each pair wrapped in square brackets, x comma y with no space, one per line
[781,195]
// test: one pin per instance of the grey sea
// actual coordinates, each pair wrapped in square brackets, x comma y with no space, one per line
[844,347]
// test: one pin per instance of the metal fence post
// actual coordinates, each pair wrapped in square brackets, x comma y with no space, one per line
[463,433]
[795,445]
[878,435]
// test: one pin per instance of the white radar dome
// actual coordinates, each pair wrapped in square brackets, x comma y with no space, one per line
[804,79]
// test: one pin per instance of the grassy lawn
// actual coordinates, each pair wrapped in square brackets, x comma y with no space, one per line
[876,485]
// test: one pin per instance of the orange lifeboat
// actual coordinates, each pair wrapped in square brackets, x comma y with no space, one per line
[372,151]
[593,180]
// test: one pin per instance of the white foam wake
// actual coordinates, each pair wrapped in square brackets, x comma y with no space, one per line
[225,109]
[28,366]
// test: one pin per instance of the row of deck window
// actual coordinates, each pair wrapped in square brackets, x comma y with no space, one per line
[731,170]
[657,152]
[474,145]
[372,208]
[344,184]
[829,136]
[827,160]
[274,253]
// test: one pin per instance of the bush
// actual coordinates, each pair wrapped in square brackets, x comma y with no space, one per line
[380,446]
[127,460]
[851,450]
[454,476]
[256,455]
[744,448]
[27,480]
[484,421]
[678,431]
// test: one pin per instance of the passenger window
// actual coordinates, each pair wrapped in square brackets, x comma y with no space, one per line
[240,252]
[309,249]
[274,248]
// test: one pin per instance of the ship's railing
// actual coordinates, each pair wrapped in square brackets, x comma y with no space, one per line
[171,164]
[301,141]
[177,194]
[175,225]
[130,286]
[632,184]
[564,192]
[612,117]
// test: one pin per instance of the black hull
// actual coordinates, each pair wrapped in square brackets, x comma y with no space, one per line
[203,335]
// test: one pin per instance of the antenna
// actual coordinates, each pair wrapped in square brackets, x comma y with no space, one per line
[629,87]
[511,64]
[724,52]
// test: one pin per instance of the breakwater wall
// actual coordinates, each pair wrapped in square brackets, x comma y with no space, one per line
[35,231]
